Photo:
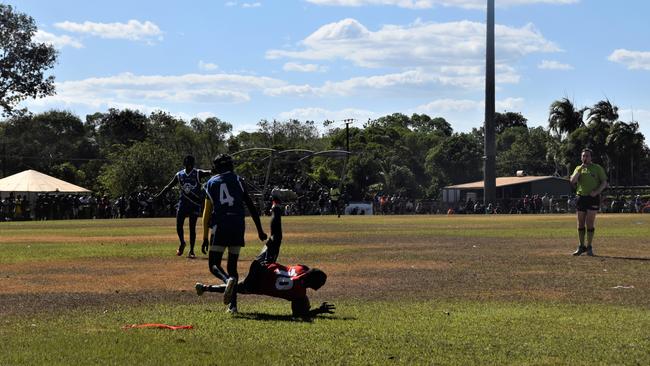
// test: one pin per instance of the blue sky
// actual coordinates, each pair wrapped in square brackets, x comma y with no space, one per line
[243,61]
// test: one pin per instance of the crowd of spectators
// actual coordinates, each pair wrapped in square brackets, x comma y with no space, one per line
[537,204]
[63,206]
[312,198]
[15,208]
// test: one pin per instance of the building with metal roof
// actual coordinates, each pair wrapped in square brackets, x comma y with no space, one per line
[509,188]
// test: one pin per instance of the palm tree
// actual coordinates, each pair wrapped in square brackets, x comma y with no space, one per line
[624,142]
[603,112]
[553,153]
[563,118]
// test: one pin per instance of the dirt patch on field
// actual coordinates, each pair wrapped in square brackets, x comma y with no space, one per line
[387,267]
[84,239]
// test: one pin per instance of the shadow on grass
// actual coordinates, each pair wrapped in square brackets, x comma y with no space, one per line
[625,258]
[285,318]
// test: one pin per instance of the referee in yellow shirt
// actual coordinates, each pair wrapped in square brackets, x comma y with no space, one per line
[590,180]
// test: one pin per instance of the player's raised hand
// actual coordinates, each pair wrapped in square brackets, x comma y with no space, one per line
[204,246]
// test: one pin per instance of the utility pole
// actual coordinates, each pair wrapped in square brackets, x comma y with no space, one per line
[489,166]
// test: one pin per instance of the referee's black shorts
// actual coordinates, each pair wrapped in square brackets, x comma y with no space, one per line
[588,203]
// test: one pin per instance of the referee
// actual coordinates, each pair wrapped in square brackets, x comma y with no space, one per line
[590,180]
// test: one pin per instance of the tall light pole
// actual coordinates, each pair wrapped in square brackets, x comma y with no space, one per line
[489,163]
[347,132]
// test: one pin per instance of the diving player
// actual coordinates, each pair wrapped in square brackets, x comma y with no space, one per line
[265,277]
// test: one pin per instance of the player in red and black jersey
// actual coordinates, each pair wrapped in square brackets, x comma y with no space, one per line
[265,277]
[271,250]
[285,282]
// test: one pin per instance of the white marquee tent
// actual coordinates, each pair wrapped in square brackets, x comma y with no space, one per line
[31,181]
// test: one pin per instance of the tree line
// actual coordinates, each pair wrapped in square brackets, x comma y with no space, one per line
[118,152]
[121,151]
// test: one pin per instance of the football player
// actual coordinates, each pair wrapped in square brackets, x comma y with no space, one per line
[271,250]
[285,282]
[189,202]
[265,277]
[224,211]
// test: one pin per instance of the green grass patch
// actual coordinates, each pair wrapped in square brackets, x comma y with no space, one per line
[454,290]
[89,228]
[472,226]
[369,333]
[117,248]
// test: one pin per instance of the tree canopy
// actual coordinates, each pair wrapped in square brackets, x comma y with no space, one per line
[23,62]
[119,151]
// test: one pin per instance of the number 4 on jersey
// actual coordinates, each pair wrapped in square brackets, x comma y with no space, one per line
[224,195]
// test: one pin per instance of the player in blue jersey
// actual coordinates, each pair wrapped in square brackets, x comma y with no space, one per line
[190,201]
[224,212]
[266,277]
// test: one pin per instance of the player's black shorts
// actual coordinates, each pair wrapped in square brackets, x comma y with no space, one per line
[253,278]
[188,210]
[585,203]
[230,232]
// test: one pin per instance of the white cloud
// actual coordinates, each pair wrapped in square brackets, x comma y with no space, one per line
[350,86]
[420,44]
[399,83]
[553,65]
[446,105]
[243,5]
[427,4]
[463,105]
[298,67]
[133,30]
[205,115]
[509,104]
[148,92]
[634,60]
[292,90]
[207,66]
[56,41]
[321,114]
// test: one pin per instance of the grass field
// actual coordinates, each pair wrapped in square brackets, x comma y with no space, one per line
[408,290]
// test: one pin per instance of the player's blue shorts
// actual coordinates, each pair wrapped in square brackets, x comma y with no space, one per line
[229,231]
[188,209]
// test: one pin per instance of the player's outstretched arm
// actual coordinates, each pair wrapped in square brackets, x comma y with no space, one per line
[324,308]
[301,308]
[169,186]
